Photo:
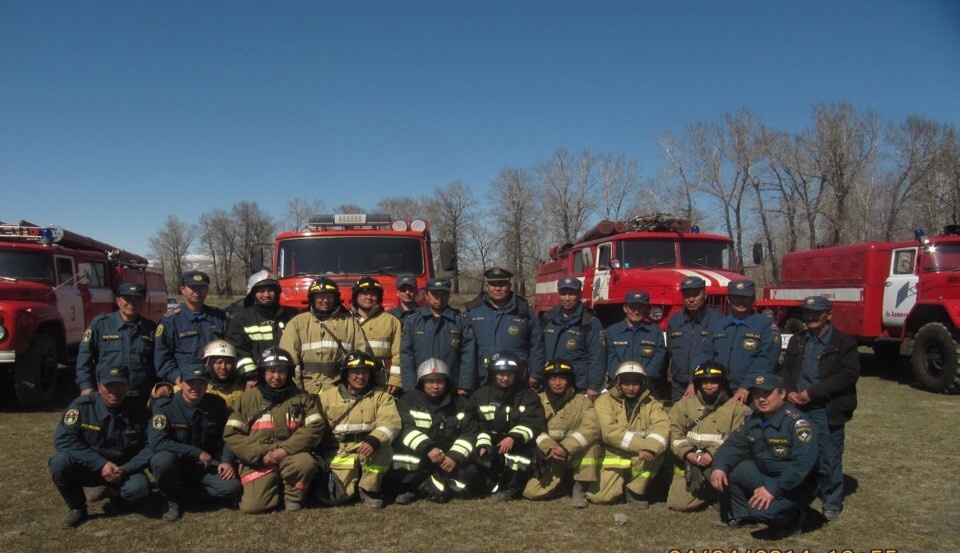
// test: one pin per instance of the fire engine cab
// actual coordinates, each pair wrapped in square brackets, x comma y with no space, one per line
[652,253]
[53,282]
[901,298]
[345,247]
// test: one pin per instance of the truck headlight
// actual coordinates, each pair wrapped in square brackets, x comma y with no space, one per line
[3,332]
[656,314]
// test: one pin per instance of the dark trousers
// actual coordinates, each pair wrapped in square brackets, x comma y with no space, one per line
[829,460]
[744,479]
[173,471]
[71,476]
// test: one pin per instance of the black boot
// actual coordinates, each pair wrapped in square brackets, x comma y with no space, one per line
[77,504]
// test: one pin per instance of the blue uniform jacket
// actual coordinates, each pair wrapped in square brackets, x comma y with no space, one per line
[448,337]
[186,431]
[685,338]
[182,336]
[93,434]
[506,329]
[579,340]
[110,342]
[784,450]
[645,346]
[747,350]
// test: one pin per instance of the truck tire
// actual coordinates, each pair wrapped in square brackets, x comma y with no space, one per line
[35,374]
[935,359]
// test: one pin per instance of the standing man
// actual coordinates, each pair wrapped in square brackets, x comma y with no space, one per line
[504,322]
[765,470]
[744,341]
[572,332]
[438,331]
[184,331]
[687,331]
[381,330]
[407,294]
[259,325]
[820,370]
[320,339]
[636,339]
[122,338]
[101,441]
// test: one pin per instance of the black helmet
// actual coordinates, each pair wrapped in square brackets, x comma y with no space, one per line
[323,284]
[276,357]
[361,359]
[503,362]
[559,367]
[711,370]
[367,284]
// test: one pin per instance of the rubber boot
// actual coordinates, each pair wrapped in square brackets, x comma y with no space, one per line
[578,499]
[77,504]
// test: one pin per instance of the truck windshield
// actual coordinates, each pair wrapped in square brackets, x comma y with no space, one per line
[26,266]
[707,254]
[642,254]
[349,255]
[942,257]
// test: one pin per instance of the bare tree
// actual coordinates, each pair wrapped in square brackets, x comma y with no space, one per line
[299,211]
[679,170]
[617,179]
[251,227]
[170,244]
[215,241]
[917,144]
[402,207]
[455,210]
[349,208]
[567,200]
[516,219]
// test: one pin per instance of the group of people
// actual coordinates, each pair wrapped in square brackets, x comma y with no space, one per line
[342,403]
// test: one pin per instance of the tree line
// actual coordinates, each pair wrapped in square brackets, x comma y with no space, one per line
[848,176]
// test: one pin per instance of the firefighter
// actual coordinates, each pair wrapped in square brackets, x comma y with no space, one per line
[272,430]
[510,416]
[820,369]
[185,330]
[572,331]
[432,451]
[438,331]
[407,297]
[744,341]
[687,330]
[380,330]
[121,338]
[765,471]
[259,325]
[570,443]
[698,425]
[635,338]
[320,339]
[363,423]
[634,431]
[102,441]
[186,436]
[503,321]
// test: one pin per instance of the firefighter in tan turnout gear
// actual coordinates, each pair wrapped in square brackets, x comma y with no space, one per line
[320,339]
[272,431]
[381,330]
[363,422]
[570,442]
[698,425]
[634,430]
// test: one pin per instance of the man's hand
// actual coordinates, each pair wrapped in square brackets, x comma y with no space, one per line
[86,391]
[463,393]
[558,453]
[792,397]
[761,499]
[436,456]
[741,396]
[111,473]
[690,391]
[205,459]
[164,390]
[506,445]
[803,397]
[718,479]
[592,394]
[533,382]
[448,465]
[646,455]
[275,457]
[701,459]
[365,449]
[250,384]
[226,472]
[392,390]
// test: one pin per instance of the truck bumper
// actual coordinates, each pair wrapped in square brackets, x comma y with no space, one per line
[8,356]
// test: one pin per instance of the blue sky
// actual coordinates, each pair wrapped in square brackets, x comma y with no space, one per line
[115,114]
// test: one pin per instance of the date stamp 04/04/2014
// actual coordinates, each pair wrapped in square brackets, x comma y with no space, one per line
[792,550]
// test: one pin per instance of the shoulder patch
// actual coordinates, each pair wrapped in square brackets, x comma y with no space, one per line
[71,417]
[159,330]
[804,430]
[87,336]
[158,422]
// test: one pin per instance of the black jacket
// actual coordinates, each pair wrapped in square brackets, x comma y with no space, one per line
[839,371]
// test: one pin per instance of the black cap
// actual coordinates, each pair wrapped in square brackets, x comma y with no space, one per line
[194,278]
[497,274]
[569,283]
[113,374]
[693,283]
[637,296]
[741,288]
[817,303]
[133,290]
[767,382]
[406,279]
[439,283]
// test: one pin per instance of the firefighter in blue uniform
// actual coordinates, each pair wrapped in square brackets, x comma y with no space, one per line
[438,331]
[122,338]
[406,297]
[184,331]
[635,338]
[101,440]
[765,471]
[571,331]
[744,341]
[687,331]
[503,321]
[186,436]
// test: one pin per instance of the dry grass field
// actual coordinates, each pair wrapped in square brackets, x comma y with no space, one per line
[901,468]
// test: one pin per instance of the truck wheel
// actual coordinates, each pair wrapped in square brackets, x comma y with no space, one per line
[35,375]
[793,326]
[935,359]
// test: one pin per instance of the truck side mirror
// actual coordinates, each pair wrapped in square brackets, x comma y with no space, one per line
[757,253]
[256,258]
[586,255]
[448,257]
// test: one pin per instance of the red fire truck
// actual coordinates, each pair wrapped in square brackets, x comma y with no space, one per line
[53,282]
[901,298]
[652,253]
[345,247]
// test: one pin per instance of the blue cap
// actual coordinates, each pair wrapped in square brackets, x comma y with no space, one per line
[742,288]
[817,303]
[194,371]
[133,289]
[194,278]
[693,283]
[113,374]
[636,296]
[406,279]
[497,274]
[439,283]
[767,382]
[569,283]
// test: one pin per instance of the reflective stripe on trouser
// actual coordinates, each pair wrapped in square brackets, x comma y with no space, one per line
[352,470]
[263,493]
[547,485]
[744,479]
[614,473]
[679,499]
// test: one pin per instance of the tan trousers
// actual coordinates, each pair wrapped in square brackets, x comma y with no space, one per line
[547,484]
[261,489]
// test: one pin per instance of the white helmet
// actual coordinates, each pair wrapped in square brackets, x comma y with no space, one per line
[258,280]
[430,367]
[630,368]
[219,348]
